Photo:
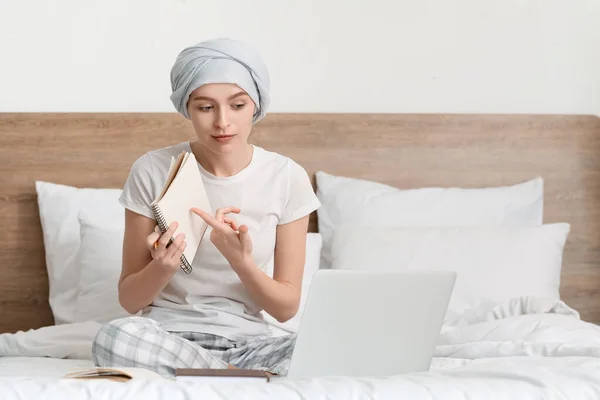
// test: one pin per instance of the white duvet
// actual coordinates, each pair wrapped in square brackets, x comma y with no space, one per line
[529,348]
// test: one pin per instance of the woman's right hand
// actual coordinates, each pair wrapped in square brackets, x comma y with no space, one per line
[166,257]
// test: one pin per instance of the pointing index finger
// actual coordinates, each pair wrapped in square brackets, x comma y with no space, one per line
[208,219]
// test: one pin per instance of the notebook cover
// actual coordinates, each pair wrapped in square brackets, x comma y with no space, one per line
[186,191]
[224,373]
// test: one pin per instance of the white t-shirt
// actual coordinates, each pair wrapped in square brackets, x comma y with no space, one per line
[270,191]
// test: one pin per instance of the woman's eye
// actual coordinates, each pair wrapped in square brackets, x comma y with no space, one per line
[239,106]
[205,108]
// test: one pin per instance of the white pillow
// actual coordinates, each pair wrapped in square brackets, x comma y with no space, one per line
[100,255]
[311,265]
[355,201]
[493,264]
[59,207]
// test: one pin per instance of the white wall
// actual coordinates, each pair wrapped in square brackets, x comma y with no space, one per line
[324,56]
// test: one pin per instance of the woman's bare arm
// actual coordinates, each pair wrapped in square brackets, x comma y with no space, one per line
[146,271]
[280,295]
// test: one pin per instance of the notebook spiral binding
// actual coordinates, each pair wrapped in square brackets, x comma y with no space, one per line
[163,226]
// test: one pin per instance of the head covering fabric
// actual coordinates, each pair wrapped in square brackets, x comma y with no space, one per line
[220,61]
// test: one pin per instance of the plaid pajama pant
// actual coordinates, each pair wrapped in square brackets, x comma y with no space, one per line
[141,342]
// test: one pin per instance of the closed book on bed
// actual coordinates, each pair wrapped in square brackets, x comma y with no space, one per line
[241,375]
[183,190]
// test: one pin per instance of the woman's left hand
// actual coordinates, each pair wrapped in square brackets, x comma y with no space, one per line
[232,241]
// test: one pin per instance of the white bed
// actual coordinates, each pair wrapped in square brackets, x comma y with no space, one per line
[508,378]
[513,330]
[543,351]
[39,367]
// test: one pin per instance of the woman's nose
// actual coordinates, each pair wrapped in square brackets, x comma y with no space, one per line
[222,120]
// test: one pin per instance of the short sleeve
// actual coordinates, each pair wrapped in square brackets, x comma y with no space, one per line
[301,199]
[138,190]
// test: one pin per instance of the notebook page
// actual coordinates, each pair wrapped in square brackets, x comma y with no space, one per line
[127,372]
[174,168]
[186,191]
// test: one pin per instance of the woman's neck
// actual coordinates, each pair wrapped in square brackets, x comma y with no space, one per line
[222,165]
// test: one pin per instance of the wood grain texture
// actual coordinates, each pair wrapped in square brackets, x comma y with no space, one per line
[405,151]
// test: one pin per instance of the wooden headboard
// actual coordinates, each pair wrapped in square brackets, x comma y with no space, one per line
[406,151]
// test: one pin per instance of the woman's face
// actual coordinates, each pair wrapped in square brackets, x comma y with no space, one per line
[221,114]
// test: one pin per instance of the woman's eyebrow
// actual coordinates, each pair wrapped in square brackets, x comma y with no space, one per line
[233,96]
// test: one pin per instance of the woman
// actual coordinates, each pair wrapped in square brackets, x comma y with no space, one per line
[211,318]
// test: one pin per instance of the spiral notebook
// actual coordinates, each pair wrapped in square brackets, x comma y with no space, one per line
[183,190]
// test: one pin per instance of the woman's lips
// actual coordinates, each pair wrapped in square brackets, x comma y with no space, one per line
[223,138]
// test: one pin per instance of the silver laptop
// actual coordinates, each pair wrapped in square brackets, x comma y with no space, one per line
[361,323]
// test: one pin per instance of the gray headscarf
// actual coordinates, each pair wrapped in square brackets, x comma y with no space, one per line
[220,61]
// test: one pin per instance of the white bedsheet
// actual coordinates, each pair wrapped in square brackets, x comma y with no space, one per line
[526,349]
[40,367]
